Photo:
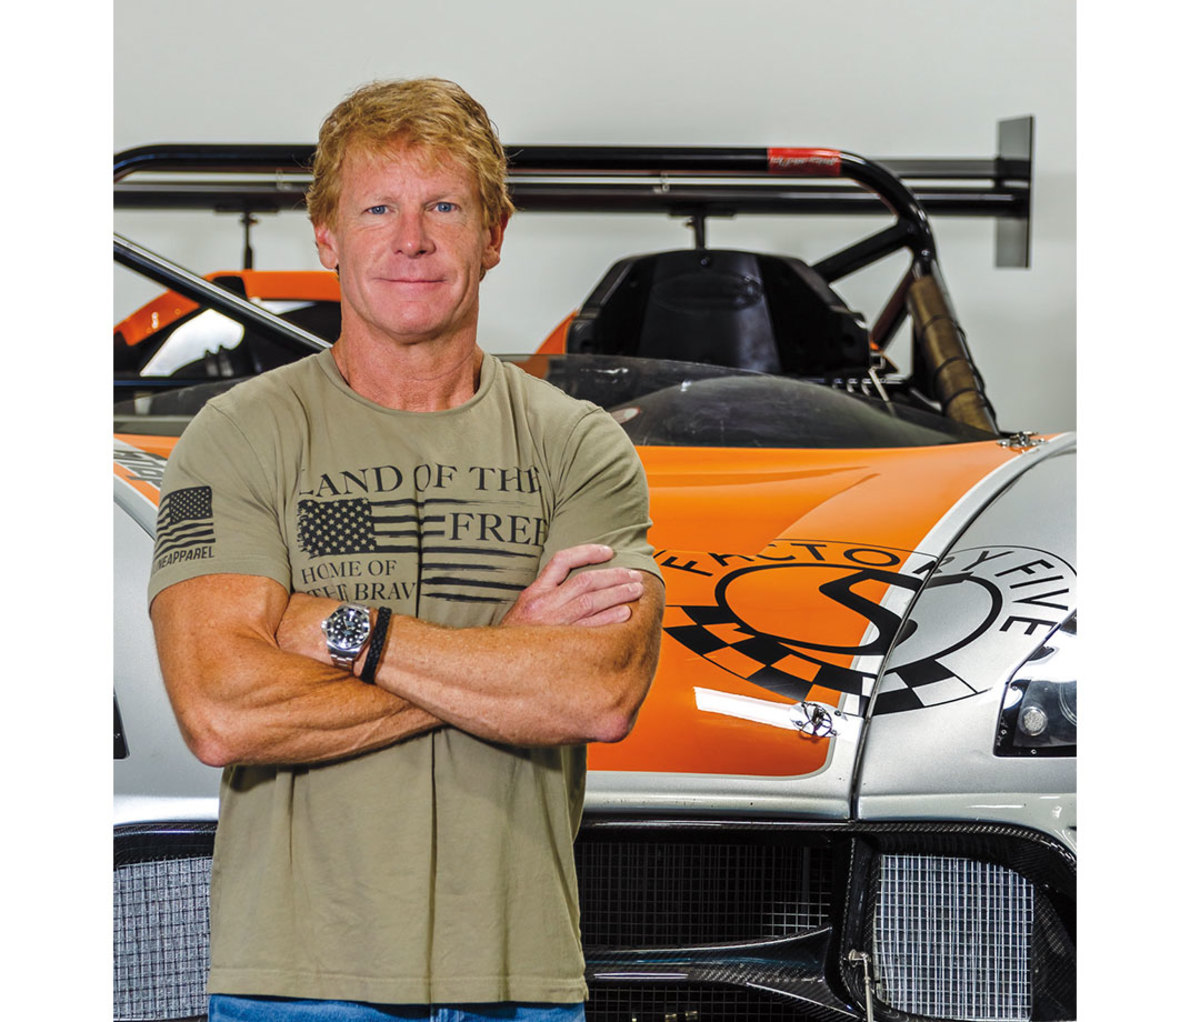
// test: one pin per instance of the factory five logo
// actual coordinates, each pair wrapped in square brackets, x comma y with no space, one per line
[984,611]
[816,619]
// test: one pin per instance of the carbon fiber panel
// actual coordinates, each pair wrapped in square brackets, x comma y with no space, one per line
[635,1002]
[1013,888]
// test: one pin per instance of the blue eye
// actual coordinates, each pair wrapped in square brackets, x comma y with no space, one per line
[445,207]
[377,209]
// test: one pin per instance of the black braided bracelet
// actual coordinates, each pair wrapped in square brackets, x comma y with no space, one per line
[375,650]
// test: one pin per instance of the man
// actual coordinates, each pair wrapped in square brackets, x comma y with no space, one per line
[389,645]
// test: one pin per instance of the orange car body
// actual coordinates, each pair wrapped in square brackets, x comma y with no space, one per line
[751,534]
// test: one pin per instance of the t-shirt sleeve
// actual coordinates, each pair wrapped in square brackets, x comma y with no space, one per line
[602,496]
[217,512]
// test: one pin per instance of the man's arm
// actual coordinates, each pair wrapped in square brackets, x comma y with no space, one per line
[243,693]
[571,663]
[239,698]
[531,684]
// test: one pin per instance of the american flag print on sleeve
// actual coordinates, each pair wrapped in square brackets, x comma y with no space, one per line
[185,526]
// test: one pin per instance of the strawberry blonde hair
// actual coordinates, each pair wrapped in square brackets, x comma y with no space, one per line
[430,113]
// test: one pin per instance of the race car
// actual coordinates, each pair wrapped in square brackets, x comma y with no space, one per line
[850,791]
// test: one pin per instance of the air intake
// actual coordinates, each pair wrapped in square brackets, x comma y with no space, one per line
[160,924]
[952,938]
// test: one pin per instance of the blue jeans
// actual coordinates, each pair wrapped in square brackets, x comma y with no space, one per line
[224,1008]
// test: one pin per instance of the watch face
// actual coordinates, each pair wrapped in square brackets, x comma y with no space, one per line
[347,628]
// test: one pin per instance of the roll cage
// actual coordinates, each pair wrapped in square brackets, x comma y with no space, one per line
[695,183]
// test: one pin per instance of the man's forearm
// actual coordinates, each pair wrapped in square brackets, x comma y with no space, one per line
[306,713]
[240,699]
[531,685]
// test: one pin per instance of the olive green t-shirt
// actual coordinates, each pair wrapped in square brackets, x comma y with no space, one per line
[438,869]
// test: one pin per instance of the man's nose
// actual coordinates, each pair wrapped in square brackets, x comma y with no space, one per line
[412,238]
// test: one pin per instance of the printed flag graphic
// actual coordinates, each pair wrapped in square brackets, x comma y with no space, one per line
[448,568]
[184,520]
[359,526]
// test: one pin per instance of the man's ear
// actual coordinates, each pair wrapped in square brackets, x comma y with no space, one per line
[491,248]
[326,246]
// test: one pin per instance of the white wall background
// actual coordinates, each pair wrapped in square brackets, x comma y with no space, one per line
[884,78]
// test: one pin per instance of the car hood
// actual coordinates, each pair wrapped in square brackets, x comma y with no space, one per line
[788,574]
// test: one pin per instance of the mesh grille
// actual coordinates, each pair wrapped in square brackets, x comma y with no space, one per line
[638,893]
[952,938]
[690,1003]
[160,938]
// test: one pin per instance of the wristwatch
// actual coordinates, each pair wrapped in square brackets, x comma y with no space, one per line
[347,630]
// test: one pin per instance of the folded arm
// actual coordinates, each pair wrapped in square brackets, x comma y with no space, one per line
[572,661]
[240,698]
[250,679]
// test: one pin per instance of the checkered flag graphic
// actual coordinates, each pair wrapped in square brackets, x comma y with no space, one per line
[719,636]
[925,682]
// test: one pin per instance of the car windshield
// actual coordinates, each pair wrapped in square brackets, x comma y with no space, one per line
[663,403]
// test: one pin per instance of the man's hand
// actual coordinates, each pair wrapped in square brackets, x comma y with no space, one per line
[600,597]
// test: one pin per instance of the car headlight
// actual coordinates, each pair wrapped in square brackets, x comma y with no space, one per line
[1039,716]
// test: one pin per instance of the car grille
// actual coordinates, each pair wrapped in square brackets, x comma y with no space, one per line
[641,889]
[160,924]
[952,938]
[711,920]
[691,1002]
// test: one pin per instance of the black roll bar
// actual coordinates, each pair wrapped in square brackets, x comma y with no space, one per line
[173,276]
[678,180]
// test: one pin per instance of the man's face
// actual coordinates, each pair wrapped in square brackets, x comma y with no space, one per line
[410,246]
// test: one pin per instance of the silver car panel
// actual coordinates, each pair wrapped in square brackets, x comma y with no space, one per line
[820,795]
[935,761]
[159,765]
